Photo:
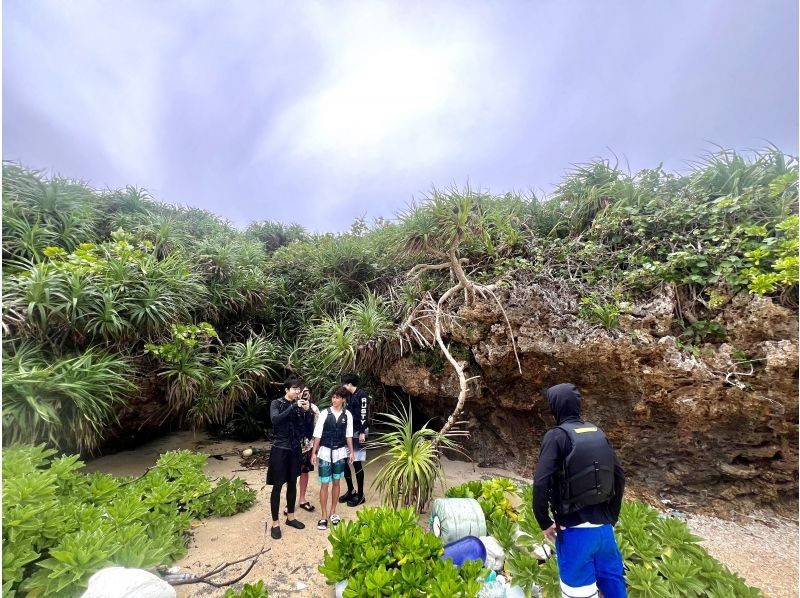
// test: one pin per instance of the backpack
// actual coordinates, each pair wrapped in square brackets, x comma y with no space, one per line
[587,474]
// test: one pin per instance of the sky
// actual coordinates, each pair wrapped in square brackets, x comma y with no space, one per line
[322,112]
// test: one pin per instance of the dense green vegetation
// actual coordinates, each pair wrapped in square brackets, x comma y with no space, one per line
[110,295]
[61,525]
[385,553]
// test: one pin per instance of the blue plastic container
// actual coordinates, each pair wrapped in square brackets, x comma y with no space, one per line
[466,549]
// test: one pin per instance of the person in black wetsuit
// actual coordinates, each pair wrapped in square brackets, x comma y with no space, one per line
[288,426]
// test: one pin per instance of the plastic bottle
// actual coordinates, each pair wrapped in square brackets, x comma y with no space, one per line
[493,589]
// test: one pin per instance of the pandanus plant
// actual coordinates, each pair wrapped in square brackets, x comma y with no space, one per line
[412,467]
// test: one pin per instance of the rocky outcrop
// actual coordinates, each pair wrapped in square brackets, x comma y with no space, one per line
[710,427]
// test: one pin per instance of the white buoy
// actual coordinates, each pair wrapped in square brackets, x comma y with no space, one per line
[247,453]
[119,582]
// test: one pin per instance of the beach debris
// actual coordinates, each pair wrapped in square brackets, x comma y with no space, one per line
[121,582]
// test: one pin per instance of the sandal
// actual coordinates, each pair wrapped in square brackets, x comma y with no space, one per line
[307,506]
[322,524]
[335,519]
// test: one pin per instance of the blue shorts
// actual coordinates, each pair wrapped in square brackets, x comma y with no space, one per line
[331,471]
[588,561]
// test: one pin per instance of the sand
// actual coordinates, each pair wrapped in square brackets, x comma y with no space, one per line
[764,550]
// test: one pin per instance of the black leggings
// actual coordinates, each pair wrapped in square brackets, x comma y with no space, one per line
[285,469]
[275,498]
[358,467]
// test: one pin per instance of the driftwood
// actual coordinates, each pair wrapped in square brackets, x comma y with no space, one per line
[181,579]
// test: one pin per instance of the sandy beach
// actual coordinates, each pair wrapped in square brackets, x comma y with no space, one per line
[763,551]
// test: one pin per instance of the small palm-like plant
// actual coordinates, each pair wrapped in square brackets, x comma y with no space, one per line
[409,476]
[25,240]
[374,326]
[371,318]
[333,339]
[588,191]
[596,311]
[164,231]
[67,402]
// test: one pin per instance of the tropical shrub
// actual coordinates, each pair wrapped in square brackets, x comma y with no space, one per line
[730,222]
[385,553]
[186,357]
[412,466]
[38,213]
[103,293]
[206,383]
[60,525]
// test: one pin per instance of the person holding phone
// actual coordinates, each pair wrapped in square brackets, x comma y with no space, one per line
[306,466]
[284,458]
[333,446]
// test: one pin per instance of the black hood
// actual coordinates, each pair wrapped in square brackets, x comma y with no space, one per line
[565,401]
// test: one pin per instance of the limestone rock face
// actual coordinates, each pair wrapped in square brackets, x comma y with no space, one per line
[716,424]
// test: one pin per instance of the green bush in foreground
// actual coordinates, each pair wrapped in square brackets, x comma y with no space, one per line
[385,553]
[60,526]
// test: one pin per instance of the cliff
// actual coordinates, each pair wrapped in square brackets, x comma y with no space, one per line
[708,423]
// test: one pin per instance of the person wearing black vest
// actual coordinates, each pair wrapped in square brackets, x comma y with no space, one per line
[332,449]
[358,405]
[580,481]
[288,422]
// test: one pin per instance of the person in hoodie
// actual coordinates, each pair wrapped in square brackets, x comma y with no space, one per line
[358,406]
[578,487]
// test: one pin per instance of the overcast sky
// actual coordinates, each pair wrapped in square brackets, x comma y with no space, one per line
[320,112]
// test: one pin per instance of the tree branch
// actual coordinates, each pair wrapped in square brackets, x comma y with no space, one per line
[187,579]
[420,268]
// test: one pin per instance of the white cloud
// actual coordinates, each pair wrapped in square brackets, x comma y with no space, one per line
[403,92]
[98,73]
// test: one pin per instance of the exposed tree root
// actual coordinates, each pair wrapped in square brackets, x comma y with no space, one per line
[439,311]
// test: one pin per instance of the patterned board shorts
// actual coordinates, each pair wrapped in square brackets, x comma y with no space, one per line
[331,471]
